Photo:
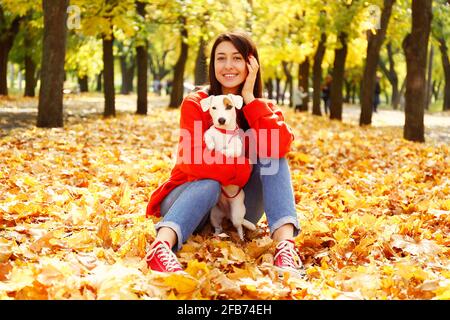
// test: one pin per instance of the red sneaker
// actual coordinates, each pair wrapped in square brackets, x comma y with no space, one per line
[162,259]
[286,259]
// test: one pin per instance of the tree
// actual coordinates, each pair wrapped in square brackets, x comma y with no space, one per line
[8,32]
[303,80]
[415,46]
[105,19]
[441,32]
[108,75]
[317,75]
[176,95]
[336,98]
[391,74]
[446,65]
[50,108]
[30,49]
[345,13]
[201,65]
[374,42]
[127,66]
[83,58]
[27,49]
[142,66]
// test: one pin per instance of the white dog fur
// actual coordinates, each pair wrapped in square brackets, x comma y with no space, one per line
[222,109]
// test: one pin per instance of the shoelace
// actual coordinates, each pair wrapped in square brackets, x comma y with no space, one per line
[168,258]
[289,256]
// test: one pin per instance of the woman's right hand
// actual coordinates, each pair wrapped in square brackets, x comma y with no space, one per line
[249,85]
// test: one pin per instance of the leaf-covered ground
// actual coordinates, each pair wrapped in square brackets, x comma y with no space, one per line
[374,211]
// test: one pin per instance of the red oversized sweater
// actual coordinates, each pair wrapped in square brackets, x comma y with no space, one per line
[262,116]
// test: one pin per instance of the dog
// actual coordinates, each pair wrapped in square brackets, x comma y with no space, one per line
[223,136]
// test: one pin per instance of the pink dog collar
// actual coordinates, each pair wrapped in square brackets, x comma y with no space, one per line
[225,131]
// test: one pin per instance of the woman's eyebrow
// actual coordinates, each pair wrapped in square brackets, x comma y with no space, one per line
[223,53]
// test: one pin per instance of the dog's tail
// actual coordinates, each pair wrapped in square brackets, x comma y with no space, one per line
[248,225]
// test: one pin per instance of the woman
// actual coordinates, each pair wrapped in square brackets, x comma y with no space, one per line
[194,186]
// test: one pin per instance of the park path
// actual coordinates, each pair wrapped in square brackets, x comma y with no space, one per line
[22,113]
[437,125]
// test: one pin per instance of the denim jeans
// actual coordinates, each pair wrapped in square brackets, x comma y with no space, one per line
[269,189]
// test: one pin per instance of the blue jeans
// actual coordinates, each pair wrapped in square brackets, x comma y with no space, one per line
[186,209]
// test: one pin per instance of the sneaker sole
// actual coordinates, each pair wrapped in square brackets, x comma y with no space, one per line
[295,273]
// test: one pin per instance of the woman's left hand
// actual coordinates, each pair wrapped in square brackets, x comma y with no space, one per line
[249,85]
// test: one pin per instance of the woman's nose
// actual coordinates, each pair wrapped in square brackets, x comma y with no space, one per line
[228,64]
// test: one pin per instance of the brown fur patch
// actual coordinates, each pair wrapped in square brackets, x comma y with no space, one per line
[227,102]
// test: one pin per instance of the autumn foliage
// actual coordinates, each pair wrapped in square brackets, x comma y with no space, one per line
[374,211]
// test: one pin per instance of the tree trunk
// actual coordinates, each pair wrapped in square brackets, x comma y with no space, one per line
[278,87]
[30,67]
[289,83]
[50,107]
[127,70]
[436,88]
[415,46]
[201,66]
[446,66]
[429,78]
[142,68]
[391,75]
[336,98]
[317,75]
[108,76]
[130,75]
[401,95]
[83,83]
[30,76]
[4,52]
[7,36]
[348,89]
[370,69]
[99,82]
[353,93]
[303,80]
[269,87]
[176,95]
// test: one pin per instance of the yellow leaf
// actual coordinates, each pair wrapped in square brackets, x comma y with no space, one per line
[5,250]
[125,196]
[303,157]
[181,283]
[197,269]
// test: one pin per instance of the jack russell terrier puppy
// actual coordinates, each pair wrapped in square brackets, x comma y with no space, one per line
[224,136]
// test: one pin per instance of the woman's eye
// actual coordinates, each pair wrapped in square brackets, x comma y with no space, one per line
[238,58]
[219,59]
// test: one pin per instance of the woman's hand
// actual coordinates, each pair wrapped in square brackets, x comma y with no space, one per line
[249,85]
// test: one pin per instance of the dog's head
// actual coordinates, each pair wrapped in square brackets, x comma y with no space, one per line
[222,109]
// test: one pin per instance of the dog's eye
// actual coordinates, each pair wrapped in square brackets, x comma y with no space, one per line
[229,108]
[214,108]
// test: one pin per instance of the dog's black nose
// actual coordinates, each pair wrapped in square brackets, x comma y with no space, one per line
[221,120]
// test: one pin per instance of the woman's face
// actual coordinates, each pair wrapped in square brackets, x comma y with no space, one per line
[230,67]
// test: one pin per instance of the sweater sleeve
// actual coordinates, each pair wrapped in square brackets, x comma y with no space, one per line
[197,161]
[273,136]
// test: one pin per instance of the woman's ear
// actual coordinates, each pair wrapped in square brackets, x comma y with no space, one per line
[206,103]
[238,101]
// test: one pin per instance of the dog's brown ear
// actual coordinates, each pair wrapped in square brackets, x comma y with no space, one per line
[206,103]
[237,100]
